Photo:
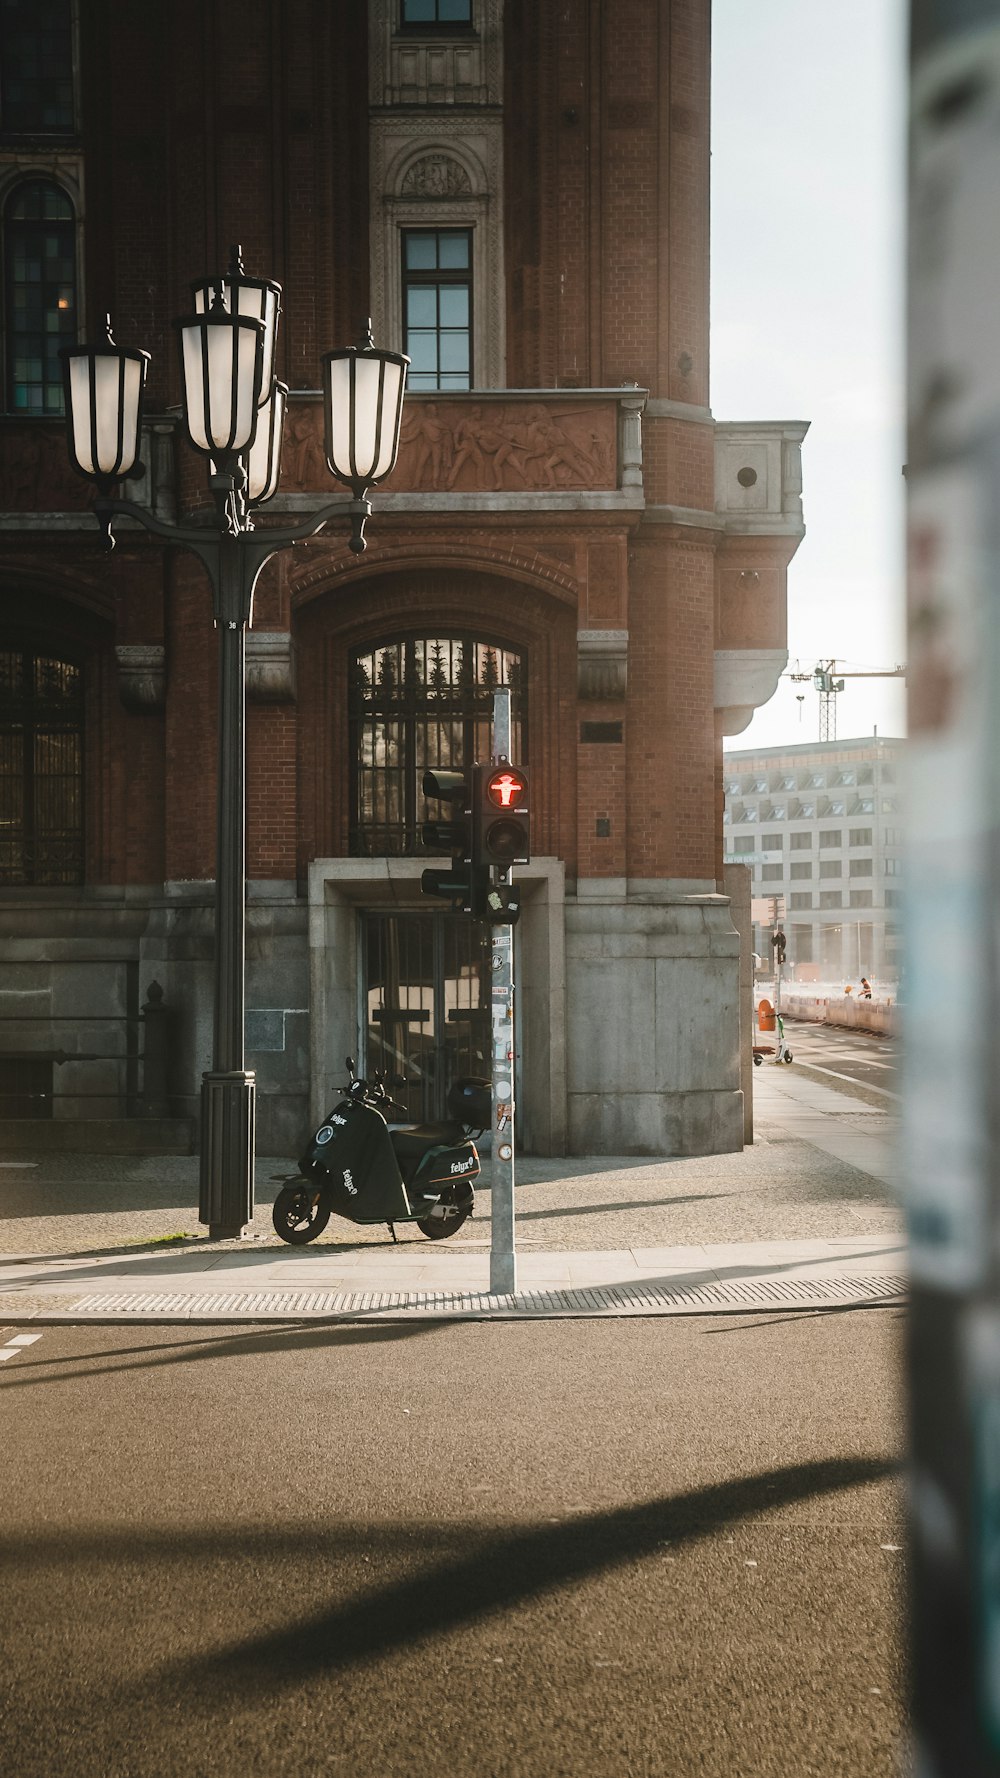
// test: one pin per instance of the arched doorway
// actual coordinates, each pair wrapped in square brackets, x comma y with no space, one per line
[417,701]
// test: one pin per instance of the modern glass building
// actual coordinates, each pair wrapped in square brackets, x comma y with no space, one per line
[819,826]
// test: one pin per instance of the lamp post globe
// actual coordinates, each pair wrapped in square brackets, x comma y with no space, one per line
[103,388]
[363,391]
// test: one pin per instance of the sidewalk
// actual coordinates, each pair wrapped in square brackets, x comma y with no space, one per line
[803,1219]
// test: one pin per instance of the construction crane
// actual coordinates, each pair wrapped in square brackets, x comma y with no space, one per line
[828,683]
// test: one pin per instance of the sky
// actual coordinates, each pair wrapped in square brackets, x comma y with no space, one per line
[808,215]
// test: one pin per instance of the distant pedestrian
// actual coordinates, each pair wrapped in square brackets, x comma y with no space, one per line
[866,988]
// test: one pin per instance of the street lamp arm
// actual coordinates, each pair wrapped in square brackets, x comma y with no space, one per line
[204,539]
[358,510]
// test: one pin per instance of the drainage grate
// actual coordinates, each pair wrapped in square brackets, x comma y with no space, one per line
[720,1297]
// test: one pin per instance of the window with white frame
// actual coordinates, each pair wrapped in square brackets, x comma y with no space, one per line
[437,307]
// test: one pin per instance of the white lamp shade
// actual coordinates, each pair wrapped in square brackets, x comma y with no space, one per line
[259,298]
[363,402]
[104,388]
[221,367]
[263,460]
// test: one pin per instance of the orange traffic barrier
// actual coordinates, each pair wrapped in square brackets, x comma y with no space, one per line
[765,1016]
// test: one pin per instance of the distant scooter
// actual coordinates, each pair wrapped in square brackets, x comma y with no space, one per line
[780,1051]
[356,1167]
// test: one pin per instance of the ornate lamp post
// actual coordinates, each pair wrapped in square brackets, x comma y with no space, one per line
[233,415]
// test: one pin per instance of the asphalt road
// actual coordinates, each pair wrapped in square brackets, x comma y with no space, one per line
[860,1062]
[603,1549]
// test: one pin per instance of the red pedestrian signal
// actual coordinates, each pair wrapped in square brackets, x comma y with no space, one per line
[504,816]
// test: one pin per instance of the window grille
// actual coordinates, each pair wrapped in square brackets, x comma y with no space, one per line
[416,703]
[36,67]
[39,246]
[41,769]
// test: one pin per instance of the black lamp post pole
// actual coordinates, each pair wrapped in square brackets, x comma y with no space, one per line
[228,1092]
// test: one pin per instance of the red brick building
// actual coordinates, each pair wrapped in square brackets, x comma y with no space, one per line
[518,194]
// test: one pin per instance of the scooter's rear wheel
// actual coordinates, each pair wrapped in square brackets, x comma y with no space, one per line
[298,1215]
[451,1213]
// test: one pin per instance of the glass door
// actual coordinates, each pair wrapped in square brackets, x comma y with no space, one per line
[427,1003]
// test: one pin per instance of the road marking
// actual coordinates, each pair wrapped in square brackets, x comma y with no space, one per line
[883,1092]
[16,1344]
[18,1163]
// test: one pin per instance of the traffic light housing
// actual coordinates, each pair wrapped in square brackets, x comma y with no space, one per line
[456,790]
[503,816]
[466,883]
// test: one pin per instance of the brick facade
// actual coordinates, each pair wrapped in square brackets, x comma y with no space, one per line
[209,122]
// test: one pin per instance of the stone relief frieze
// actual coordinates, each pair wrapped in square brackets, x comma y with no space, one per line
[503,446]
[472,447]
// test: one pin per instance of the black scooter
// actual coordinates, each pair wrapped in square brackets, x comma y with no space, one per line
[356,1167]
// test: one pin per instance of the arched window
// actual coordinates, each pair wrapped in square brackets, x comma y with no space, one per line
[418,702]
[41,767]
[39,250]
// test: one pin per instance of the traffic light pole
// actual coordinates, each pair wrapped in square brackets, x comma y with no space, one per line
[503,1259]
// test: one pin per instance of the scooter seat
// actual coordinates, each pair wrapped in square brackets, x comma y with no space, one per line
[413,1140]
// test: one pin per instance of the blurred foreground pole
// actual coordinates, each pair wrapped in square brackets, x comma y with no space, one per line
[951,991]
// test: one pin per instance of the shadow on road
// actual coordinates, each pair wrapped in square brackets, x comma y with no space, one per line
[79,1368]
[634,1204]
[504,1568]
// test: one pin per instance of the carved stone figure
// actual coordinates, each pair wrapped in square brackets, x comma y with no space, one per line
[436,176]
[303,462]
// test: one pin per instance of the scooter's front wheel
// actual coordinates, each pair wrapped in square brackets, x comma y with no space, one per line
[446,1220]
[299,1215]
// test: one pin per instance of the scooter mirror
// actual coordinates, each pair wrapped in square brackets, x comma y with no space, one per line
[399,1080]
[351,1066]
